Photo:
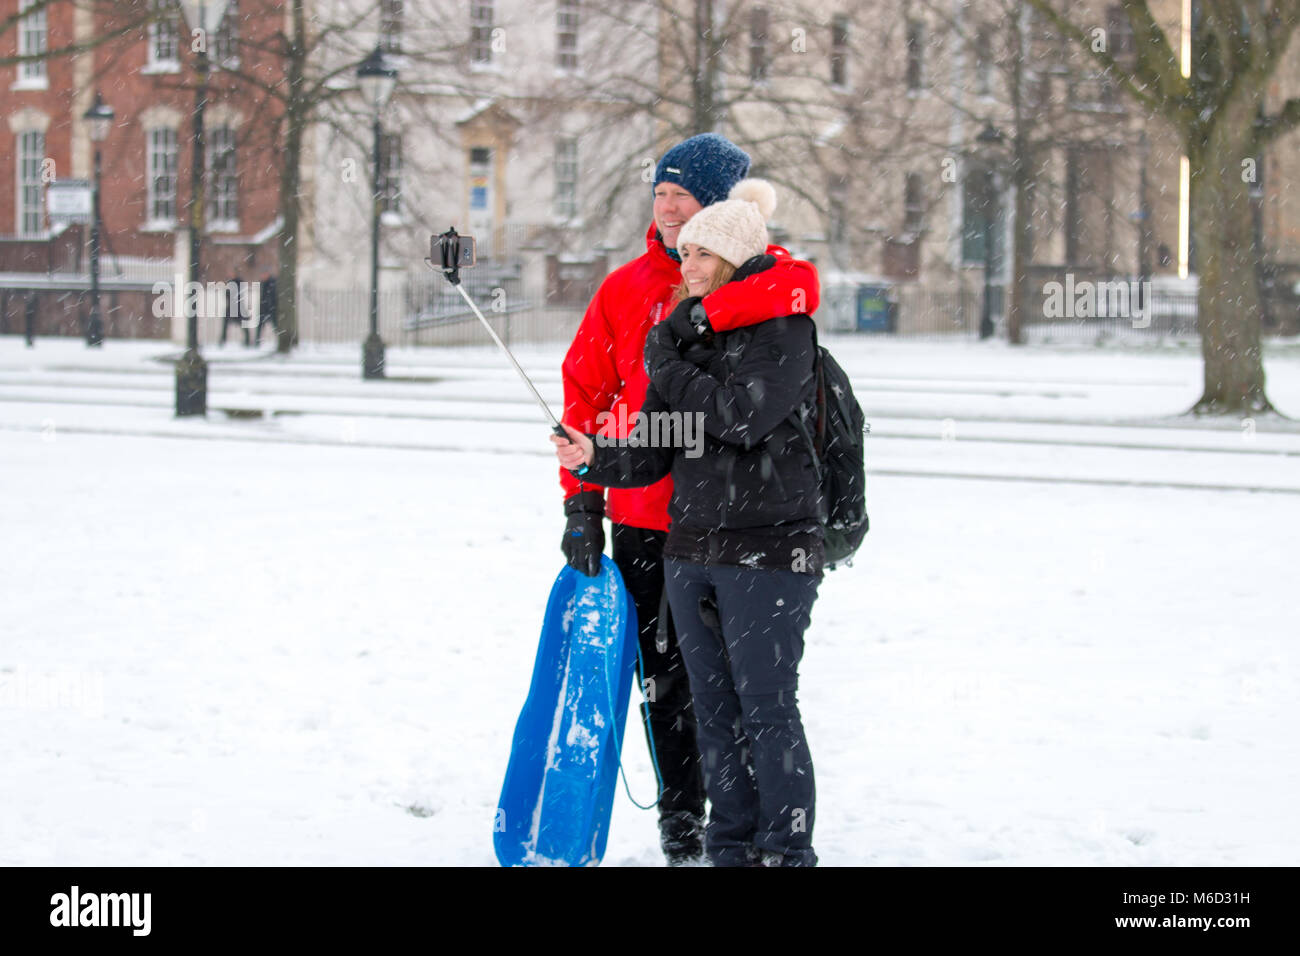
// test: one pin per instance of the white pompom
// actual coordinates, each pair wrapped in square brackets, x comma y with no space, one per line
[757,191]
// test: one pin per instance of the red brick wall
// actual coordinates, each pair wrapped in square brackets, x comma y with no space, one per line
[118,74]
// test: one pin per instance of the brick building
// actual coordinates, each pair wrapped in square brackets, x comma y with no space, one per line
[147,76]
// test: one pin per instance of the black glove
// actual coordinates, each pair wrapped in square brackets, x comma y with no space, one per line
[584,532]
[700,354]
[689,321]
[660,348]
[753,266]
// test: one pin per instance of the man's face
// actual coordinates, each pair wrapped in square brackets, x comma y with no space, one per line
[674,206]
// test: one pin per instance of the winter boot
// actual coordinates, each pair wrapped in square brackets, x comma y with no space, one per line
[681,834]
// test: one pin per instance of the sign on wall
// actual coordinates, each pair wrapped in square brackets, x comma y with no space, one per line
[68,200]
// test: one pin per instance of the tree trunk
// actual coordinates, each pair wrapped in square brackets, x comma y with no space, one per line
[287,283]
[295,121]
[1020,176]
[1228,305]
[1021,252]
[706,68]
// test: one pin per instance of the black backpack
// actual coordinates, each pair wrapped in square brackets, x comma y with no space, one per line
[836,439]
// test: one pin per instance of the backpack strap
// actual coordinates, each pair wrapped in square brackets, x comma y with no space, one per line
[815,438]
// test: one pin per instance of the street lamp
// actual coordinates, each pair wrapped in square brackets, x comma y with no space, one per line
[100,119]
[376,77]
[203,17]
[988,138]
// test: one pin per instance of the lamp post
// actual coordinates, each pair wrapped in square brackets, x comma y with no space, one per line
[203,17]
[988,137]
[377,78]
[100,119]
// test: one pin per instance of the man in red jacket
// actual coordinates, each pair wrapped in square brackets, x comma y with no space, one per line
[605,385]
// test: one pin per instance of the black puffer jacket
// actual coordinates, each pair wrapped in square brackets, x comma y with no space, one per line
[747,486]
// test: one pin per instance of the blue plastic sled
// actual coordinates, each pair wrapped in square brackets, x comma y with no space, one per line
[559,788]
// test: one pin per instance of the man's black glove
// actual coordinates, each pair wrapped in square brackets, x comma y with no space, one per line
[753,266]
[584,532]
[689,321]
[660,348]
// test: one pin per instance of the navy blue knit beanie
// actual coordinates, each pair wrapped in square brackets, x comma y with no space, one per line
[706,166]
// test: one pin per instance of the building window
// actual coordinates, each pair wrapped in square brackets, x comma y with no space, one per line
[31,154]
[1120,33]
[758,55]
[480,31]
[161,185]
[837,211]
[566,178]
[981,215]
[390,26]
[225,43]
[32,39]
[223,179]
[840,50]
[390,173]
[164,38]
[566,34]
[984,62]
[915,49]
[913,203]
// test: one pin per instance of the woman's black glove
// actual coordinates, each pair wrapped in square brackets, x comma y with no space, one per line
[689,321]
[584,532]
[660,348]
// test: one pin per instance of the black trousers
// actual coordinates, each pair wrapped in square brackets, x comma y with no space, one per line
[225,324]
[741,632]
[638,552]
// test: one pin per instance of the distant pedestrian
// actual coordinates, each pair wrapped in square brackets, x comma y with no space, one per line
[236,308]
[266,314]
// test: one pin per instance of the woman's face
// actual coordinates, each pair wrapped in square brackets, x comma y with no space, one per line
[699,265]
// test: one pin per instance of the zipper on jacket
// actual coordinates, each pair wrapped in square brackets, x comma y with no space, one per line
[768,471]
[730,496]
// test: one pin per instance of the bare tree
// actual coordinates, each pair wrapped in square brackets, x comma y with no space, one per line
[127,16]
[1218,113]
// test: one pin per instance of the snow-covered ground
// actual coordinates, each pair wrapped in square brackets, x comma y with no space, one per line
[304,638]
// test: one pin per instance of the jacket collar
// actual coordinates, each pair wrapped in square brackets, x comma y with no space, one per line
[658,251]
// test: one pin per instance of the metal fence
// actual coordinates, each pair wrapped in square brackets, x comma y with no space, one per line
[429,311]
[1157,314]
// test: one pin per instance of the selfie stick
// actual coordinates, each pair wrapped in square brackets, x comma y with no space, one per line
[452,271]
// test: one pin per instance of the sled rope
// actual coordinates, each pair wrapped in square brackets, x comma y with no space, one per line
[649,732]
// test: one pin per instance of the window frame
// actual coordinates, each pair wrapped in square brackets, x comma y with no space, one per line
[567,22]
[33,37]
[392,14]
[915,51]
[170,20]
[482,15]
[225,42]
[566,172]
[760,53]
[169,158]
[223,184]
[392,207]
[840,25]
[29,203]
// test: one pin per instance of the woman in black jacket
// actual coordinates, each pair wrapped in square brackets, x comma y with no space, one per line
[743,558]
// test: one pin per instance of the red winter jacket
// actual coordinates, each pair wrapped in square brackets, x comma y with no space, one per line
[604,370]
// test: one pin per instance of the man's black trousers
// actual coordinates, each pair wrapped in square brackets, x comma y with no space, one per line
[638,552]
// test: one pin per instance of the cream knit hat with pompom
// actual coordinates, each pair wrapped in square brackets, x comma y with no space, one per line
[736,228]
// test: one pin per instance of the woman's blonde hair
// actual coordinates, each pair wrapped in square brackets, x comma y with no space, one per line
[721,276]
